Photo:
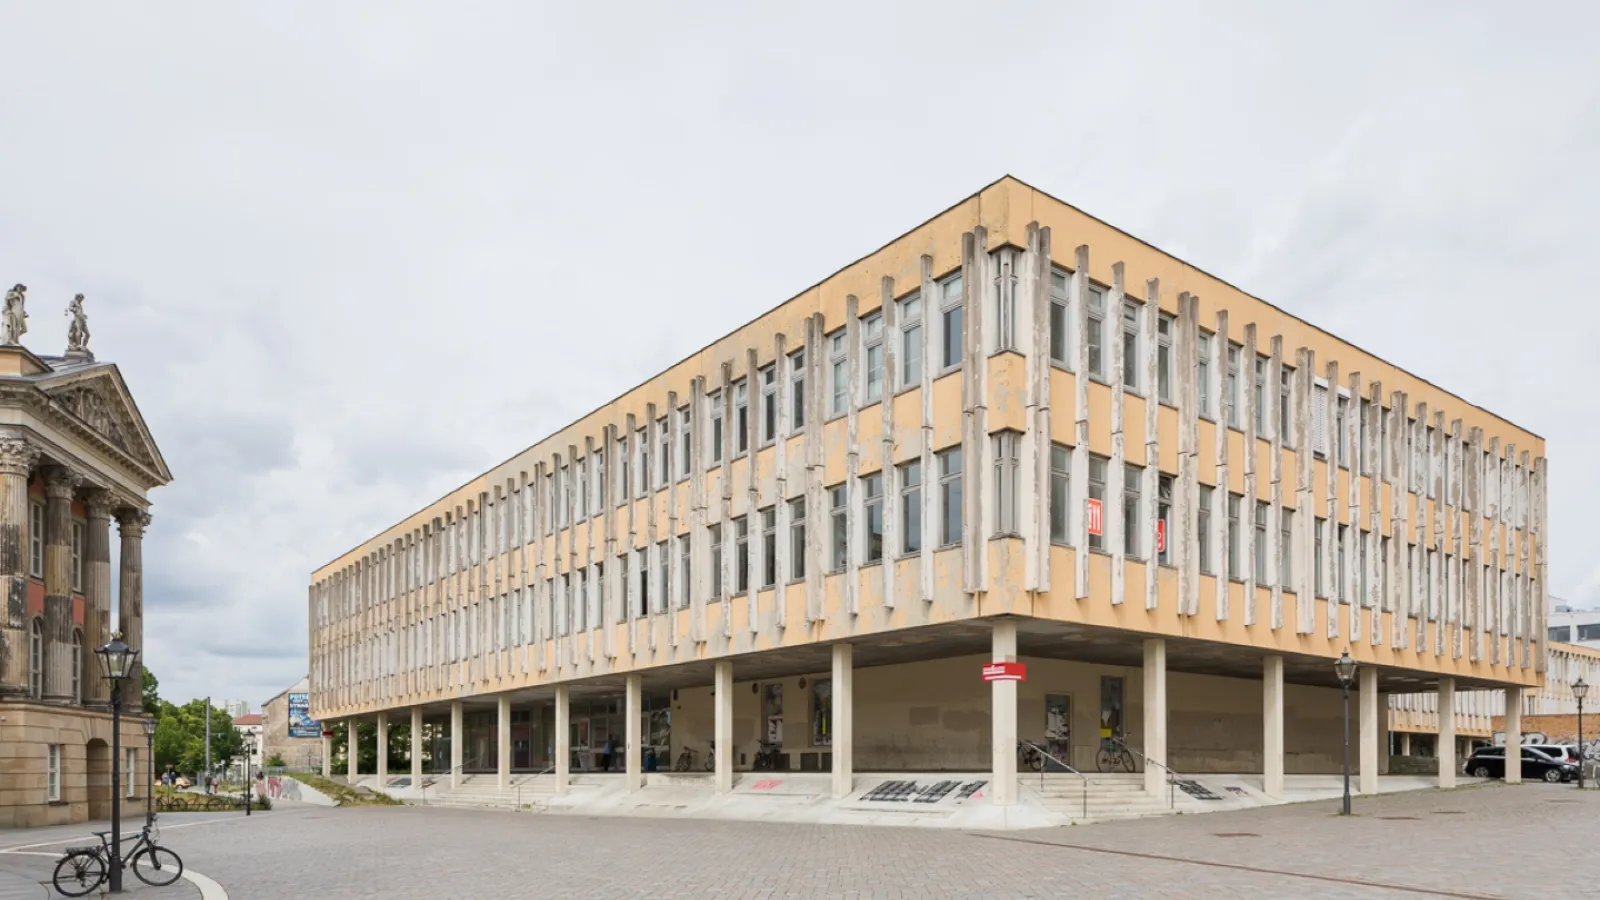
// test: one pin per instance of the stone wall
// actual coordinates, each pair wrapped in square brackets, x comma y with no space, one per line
[26,732]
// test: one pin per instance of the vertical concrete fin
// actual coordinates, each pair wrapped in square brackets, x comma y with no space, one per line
[1374,507]
[1080,414]
[673,597]
[852,460]
[1186,387]
[1278,429]
[1247,512]
[1115,523]
[812,442]
[1355,546]
[1032,490]
[1222,496]
[974,544]
[891,483]
[699,539]
[1332,584]
[725,503]
[783,519]
[930,308]
[1149,342]
[754,576]
[1455,586]
[1305,519]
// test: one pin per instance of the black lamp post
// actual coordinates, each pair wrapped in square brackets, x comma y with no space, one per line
[150,751]
[116,661]
[249,744]
[1580,690]
[1346,670]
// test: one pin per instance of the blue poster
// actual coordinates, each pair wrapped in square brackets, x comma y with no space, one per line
[301,725]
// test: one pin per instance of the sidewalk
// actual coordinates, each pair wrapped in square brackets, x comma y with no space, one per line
[26,876]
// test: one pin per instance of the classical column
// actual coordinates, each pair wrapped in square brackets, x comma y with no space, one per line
[17,457]
[458,738]
[416,747]
[59,486]
[842,719]
[382,755]
[563,760]
[130,598]
[1513,735]
[1003,713]
[1447,733]
[97,594]
[722,700]
[502,740]
[1272,717]
[1371,734]
[1155,716]
[634,711]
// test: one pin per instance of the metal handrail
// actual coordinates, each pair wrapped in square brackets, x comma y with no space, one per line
[1046,754]
[1173,775]
[534,777]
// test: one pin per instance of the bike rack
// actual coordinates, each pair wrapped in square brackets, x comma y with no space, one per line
[1044,753]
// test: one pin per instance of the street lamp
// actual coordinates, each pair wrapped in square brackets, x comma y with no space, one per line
[150,751]
[249,744]
[116,661]
[1346,670]
[1580,690]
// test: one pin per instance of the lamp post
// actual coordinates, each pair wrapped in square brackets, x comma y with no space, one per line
[116,661]
[249,745]
[1580,690]
[150,751]
[1345,668]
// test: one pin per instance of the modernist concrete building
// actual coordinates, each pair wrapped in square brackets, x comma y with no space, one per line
[74,454]
[1012,435]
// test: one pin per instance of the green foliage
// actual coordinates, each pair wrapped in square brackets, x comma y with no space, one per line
[367,746]
[152,700]
[181,737]
[169,800]
[275,761]
[343,794]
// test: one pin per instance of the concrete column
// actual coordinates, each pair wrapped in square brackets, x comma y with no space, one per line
[382,755]
[327,756]
[1513,735]
[458,738]
[843,712]
[1405,743]
[1447,733]
[1003,733]
[16,461]
[352,749]
[1371,735]
[97,595]
[502,739]
[416,747]
[130,596]
[722,700]
[59,486]
[563,726]
[632,749]
[1155,716]
[1272,717]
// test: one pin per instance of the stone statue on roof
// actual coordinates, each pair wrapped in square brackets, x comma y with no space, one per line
[15,317]
[78,331]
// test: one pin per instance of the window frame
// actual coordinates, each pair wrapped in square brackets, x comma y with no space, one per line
[908,478]
[769,547]
[838,373]
[797,390]
[910,328]
[36,524]
[714,426]
[797,539]
[1094,341]
[768,424]
[1061,494]
[872,493]
[1132,314]
[1060,313]
[1132,509]
[1096,490]
[1007,455]
[951,496]
[52,773]
[1203,345]
[872,341]
[1166,328]
[951,309]
[839,533]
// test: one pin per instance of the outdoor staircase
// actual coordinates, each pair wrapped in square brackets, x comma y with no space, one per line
[483,792]
[1114,796]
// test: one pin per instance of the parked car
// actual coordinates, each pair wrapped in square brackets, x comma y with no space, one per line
[1490,762]
[1558,752]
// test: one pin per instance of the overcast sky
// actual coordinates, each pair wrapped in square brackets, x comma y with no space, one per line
[350,255]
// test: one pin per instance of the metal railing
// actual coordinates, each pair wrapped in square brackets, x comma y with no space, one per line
[1173,776]
[1045,755]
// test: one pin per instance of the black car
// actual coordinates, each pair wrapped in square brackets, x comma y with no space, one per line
[1490,762]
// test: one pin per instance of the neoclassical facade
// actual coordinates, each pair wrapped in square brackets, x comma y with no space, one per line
[1014,434]
[75,456]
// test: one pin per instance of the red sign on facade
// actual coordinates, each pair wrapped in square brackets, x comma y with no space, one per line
[1161,535]
[1094,516]
[1005,671]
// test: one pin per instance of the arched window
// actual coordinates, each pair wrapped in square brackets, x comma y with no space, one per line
[77,666]
[36,660]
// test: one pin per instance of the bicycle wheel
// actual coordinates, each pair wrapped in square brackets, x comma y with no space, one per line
[682,765]
[1036,761]
[1125,759]
[157,866]
[78,873]
[1103,760]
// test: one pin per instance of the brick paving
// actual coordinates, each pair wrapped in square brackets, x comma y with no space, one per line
[1484,842]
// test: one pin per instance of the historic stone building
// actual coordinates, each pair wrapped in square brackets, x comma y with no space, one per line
[287,733]
[74,456]
[1014,475]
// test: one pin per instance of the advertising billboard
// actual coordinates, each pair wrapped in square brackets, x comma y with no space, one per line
[301,725]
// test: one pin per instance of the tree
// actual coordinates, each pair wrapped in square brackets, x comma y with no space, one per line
[181,736]
[152,701]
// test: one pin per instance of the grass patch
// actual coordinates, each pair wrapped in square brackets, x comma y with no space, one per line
[172,800]
[343,794]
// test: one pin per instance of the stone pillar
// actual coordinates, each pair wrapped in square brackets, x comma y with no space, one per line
[722,700]
[130,597]
[382,755]
[563,758]
[1513,735]
[502,740]
[1003,700]
[1405,743]
[16,460]
[1272,717]
[1371,734]
[634,710]
[327,756]
[97,595]
[1155,716]
[842,716]
[352,746]
[416,747]
[458,738]
[1447,733]
[59,486]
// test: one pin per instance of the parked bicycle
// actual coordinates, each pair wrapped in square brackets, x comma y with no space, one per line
[82,869]
[766,758]
[1029,757]
[685,760]
[1113,755]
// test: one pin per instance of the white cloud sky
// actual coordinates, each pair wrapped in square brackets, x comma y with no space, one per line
[349,255]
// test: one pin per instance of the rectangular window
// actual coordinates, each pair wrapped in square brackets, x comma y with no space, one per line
[769,404]
[1261,542]
[873,508]
[581,511]
[911,507]
[1285,544]
[950,496]
[1341,583]
[1203,375]
[1235,414]
[839,506]
[741,418]
[79,533]
[741,555]
[872,358]
[1096,337]
[685,441]
[642,470]
[1317,586]
[714,400]
[797,390]
[1286,405]
[1132,529]
[36,540]
[715,537]
[1203,527]
[663,453]
[1562,633]
[685,571]
[1060,319]
[1341,438]
[797,538]
[1363,458]
[1164,519]
[1261,398]
[952,328]
[1097,492]
[769,547]
[1383,572]
[1131,313]
[911,341]
[1165,325]
[1060,494]
[1235,550]
[641,607]
[663,586]
[1005,481]
[838,373]
[624,572]
[130,766]
[52,768]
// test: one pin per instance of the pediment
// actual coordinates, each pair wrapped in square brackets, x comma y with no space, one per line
[99,401]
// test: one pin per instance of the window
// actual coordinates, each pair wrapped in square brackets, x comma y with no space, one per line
[130,765]
[715,401]
[1096,337]
[79,533]
[950,496]
[1060,321]
[1261,542]
[36,659]
[625,572]
[1360,578]
[1589,632]
[663,587]
[797,538]
[1203,375]
[77,666]
[624,477]
[838,373]
[1164,519]
[1097,493]
[821,712]
[52,777]
[1341,440]
[643,469]
[1560,633]
[1165,325]
[1383,572]
[685,439]
[1060,494]
[582,511]
[839,505]
[1203,527]
[741,555]
[1261,397]
[952,331]
[36,540]
[1132,480]
[872,356]
[769,404]
[1235,417]
[769,547]
[911,341]
[1130,345]
[1285,544]
[1235,551]
[873,485]
[1005,481]
[741,418]
[1317,586]
[797,388]
[715,532]
[1286,405]
[663,453]
[685,570]
[1340,577]
[1363,459]
[911,507]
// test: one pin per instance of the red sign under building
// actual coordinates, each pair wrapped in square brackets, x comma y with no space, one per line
[1005,671]
[1161,535]
[1094,516]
